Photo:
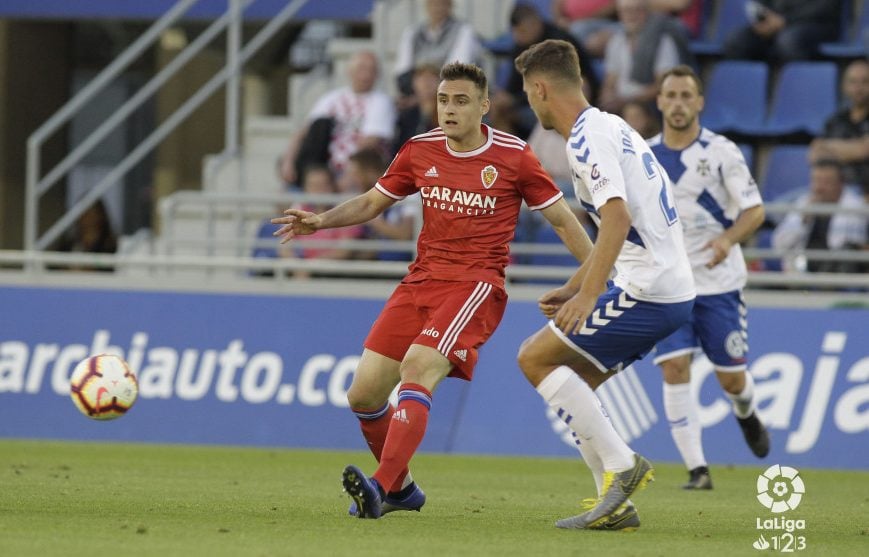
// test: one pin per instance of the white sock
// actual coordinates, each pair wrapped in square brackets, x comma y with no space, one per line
[684,424]
[743,403]
[593,461]
[573,400]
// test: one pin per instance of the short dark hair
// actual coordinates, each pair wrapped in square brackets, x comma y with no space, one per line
[521,12]
[828,163]
[370,158]
[553,57]
[456,71]
[682,70]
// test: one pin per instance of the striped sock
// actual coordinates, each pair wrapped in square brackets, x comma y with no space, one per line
[573,400]
[375,426]
[406,430]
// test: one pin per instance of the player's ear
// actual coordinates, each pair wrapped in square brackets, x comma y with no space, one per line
[701,102]
[540,90]
[484,106]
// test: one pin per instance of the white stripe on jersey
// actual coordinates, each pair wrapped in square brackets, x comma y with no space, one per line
[460,321]
[548,202]
[437,132]
[509,145]
[506,137]
[388,193]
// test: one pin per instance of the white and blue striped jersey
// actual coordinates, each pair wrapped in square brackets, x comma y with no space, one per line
[712,185]
[609,159]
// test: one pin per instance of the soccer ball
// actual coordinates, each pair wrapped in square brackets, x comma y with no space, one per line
[103,387]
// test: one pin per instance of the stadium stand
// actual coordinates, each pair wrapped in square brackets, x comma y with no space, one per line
[855,21]
[727,16]
[786,173]
[804,96]
[748,154]
[730,108]
[223,219]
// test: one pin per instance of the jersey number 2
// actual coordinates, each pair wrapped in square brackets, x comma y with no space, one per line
[651,168]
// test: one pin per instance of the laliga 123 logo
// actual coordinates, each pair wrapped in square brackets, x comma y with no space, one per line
[780,488]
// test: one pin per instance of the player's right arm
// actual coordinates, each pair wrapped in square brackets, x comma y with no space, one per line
[358,210]
[393,186]
[615,222]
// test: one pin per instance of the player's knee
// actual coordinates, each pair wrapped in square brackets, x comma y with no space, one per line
[360,397]
[674,372]
[733,383]
[528,360]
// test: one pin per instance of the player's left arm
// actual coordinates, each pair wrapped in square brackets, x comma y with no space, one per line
[574,236]
[568,228]
[740,186]
[744,226]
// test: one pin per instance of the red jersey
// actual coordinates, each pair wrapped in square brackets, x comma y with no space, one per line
[470,202]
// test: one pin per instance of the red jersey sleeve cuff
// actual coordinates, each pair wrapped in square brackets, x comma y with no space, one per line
[388,193]
[548,202]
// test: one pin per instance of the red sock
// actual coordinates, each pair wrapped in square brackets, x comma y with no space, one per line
[375,426]
[406,430]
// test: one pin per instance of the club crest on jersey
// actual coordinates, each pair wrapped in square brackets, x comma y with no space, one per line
[703,167]
[488,175]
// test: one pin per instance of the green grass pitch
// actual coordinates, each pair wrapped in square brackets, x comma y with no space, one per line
[91,499]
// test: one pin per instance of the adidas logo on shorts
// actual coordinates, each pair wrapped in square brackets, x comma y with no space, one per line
[461,354]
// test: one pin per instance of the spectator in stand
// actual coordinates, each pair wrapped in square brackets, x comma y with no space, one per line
[439,40]
[846,133]
[510,111]
[642,118]
[319,180]
[397,222]
[688,12]
[591,22]
[782,31]
[421,116]
[648,45]
[843,230]
[92,234]
[343,121]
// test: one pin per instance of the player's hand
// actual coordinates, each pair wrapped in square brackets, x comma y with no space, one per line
[720,247]
[552,301]
[296,223]
[572,315]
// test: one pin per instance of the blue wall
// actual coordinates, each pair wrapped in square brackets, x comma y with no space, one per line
[356,10]
[270,370]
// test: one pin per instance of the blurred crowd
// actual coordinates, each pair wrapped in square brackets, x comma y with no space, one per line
[624,46]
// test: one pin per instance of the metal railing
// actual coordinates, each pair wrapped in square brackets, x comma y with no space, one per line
[236,207]
[38,185]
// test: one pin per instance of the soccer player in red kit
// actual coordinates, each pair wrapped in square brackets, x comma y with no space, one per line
[472,180]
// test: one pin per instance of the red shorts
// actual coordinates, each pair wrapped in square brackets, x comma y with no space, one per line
[454,318]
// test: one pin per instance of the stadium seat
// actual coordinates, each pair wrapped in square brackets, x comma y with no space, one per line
[546,235]
[729,16]
[763,240]
[787,171]
[265,233]
[855,20]
[804,97]
[736,96]
[748,155]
